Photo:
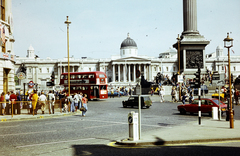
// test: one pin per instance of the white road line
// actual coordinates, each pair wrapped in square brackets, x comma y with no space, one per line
[9,126]
[4,135]
[49,143]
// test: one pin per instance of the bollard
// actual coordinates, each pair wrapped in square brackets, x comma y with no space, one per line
[133,126]
[214,113]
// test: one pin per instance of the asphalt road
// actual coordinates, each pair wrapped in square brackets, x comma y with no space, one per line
[105,122]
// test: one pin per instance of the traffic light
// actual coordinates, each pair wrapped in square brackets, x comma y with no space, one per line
[198,78]
[52,78]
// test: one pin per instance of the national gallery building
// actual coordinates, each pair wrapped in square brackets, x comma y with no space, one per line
[122,70]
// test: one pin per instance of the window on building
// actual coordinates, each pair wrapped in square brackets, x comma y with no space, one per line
[89,69]
[30,70]
[234,68]
[160,69]
[48,70]
[155,69]
[123,52]
[40,70]
[2,9]
[174,68]
[167,68]
[222,67]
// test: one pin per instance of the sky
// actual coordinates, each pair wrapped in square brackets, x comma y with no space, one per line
[98,27]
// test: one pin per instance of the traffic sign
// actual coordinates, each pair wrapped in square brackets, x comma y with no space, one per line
[31,84]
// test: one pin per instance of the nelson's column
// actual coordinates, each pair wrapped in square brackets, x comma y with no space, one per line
[192,44]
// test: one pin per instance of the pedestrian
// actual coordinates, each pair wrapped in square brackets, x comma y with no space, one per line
[191,98]
[43,100]
[19,103]
[84,101]
[13,99]
[3,103]
[70,99]
[184,98]
[161,94]
[80,96]
[112,93]
[152,91]
[51,99]
[34,102]
[236,96]
[174,94]
[76,100]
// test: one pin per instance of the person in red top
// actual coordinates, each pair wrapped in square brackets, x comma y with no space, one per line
[236,95]
[84,104]
[13,99]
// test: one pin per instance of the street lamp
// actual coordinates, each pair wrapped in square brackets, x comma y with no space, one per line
[68,22]
[179,39]
[228,43]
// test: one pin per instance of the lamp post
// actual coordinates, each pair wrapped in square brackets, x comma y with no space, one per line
[179,39]
[68,22]
[228,43]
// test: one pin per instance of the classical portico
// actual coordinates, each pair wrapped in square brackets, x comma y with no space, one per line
[129,70]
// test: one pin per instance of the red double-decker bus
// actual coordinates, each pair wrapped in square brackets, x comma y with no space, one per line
[94,84]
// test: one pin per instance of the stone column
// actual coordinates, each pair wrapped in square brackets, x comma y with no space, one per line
[129,72]
[134,73]
[124,73]
[145,71]
[36,76]
[119,73]
[190,17]
[150,72]
[113,74]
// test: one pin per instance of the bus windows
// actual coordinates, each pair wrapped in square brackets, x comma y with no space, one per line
[79,88]
[101,76]
[78,76]
[63,76]
[72,76]
[91,76]
[84,88]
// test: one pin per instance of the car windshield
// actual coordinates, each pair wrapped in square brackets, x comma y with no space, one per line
[216,101]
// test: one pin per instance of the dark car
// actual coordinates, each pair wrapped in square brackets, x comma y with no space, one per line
[133,101]
[204,89]
[206,106]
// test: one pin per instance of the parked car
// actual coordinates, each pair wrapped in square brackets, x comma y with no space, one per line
[115,93]
[204,89]
[133,101]
[206,106]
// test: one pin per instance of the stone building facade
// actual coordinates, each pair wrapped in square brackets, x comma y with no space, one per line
[121,70]
[7,57]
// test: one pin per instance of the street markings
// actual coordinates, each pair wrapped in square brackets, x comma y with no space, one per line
[4,120]
[49,143]
[4,135]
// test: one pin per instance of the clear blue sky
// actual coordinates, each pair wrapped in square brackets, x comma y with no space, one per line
[99,26]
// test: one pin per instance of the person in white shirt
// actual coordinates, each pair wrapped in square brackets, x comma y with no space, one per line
[76,100]
[51,99]
[43,100]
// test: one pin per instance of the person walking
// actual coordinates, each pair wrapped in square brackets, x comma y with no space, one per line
[84,104]
[13,99]
[76,100]
[236,96]
[161,94]
[51,99]
[174,94]
[3,103]
[34,102]
[70,99]
[43,100]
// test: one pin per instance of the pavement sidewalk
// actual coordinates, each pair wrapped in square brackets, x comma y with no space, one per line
[24,115]
[210,130]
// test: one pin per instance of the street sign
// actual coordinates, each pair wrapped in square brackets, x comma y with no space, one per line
[31,84]
[218,79]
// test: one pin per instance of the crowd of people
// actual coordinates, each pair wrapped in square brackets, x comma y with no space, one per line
[35,99]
